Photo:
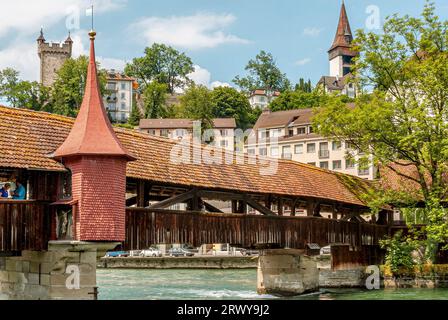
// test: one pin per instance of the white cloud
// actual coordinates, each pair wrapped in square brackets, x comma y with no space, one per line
[203,30]
[26,17]
[202,76]
[312,31]
[302,62]
[21,56]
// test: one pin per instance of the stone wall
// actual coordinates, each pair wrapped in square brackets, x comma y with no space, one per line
[67,271]
[430,276]
[180,263]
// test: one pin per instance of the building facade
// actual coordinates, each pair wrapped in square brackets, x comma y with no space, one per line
[290,135]
[120,97]
[341,55]
[261,98]
[52,56]
[182,129]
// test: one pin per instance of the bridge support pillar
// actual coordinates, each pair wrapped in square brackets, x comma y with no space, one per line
[67,271]
[286,272]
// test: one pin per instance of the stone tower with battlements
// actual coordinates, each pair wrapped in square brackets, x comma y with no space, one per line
[52,57]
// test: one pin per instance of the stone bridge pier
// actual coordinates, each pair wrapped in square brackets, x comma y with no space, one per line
[67,271]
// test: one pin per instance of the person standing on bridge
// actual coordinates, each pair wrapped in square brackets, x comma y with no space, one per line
[4,191]
[20,192]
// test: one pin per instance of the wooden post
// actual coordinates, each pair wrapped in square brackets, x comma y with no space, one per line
[280,206]
[294,208]
[234,206]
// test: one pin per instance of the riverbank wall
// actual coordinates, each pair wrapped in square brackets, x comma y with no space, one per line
[180,263]
[427,276]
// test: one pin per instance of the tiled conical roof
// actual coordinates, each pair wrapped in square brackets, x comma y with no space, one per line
[92,132]
[344,34]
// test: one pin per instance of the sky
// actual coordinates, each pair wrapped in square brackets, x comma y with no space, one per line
[220,36]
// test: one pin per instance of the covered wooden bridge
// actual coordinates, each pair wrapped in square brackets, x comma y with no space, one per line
[174,198]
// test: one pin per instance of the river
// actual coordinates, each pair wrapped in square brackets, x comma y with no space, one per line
[225,285]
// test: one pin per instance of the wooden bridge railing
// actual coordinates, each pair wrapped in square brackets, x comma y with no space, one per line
[148,227]
[24,225]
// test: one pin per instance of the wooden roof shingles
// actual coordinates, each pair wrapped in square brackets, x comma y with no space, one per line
[28,138]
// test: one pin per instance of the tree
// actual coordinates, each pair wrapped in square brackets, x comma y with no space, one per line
[68,90]
[154,99]
[298,99]
[163,64]
[263,74]
[135,116]
[304,86]
[22,94]
[403,123]
[229,103]
[197,104]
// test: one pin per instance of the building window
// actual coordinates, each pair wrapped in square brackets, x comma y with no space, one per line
[274,151]
[324,165]
[152,132]
[263,134]
[337,165]
[337,145]
[251,151]
[180,132]
[286,152]
[311,130]
[123,106]
[301,131]
[324,153]
[298,149]
[275,133]
[263,152]
[123,86]
[262,99]
[225,144]
[224,133]
[112,107]
[111,86]
[123,96]
[363,171]
[349,163]
[311,148]
[349,145]
[164,133]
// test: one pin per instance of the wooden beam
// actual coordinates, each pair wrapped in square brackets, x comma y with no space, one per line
[254,204]
[174,200]
[280,206]
[211,208]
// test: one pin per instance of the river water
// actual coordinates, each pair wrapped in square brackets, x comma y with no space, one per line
[225,285]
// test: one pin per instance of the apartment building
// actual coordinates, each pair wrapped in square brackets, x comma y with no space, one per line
[290,135]
[119,101]
[261,98]
[180,129]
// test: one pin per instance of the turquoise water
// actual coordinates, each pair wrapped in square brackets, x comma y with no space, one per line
[225,285]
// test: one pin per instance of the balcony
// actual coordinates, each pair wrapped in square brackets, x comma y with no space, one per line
[324,154]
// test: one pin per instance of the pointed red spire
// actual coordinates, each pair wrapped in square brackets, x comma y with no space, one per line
[344,34]
[92,132]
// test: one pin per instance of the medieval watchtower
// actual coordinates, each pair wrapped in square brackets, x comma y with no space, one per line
[52,57]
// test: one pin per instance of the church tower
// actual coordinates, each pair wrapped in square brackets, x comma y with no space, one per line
[52,57]
[341,53]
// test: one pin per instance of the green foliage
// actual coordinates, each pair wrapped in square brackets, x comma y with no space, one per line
[163,64]
[298,99]
[399,252]
[229,103]
[197,104]
[135,116]
[68,90]
[304,86]
[22,94]
[263,74]
[154,98]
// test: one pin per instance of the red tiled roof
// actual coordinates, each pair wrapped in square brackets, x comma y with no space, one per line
[28,137]
[343,31]
[92,133]
[284,118]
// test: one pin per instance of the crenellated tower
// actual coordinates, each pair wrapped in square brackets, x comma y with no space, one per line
[52,57]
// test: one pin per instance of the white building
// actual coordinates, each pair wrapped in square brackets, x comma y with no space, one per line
[180,129]
[290,135]
[262,98]
[119,101]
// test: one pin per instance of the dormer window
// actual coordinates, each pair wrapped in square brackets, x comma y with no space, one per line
[301,130]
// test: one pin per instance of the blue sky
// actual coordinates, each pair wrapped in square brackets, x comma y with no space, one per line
[219,35]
